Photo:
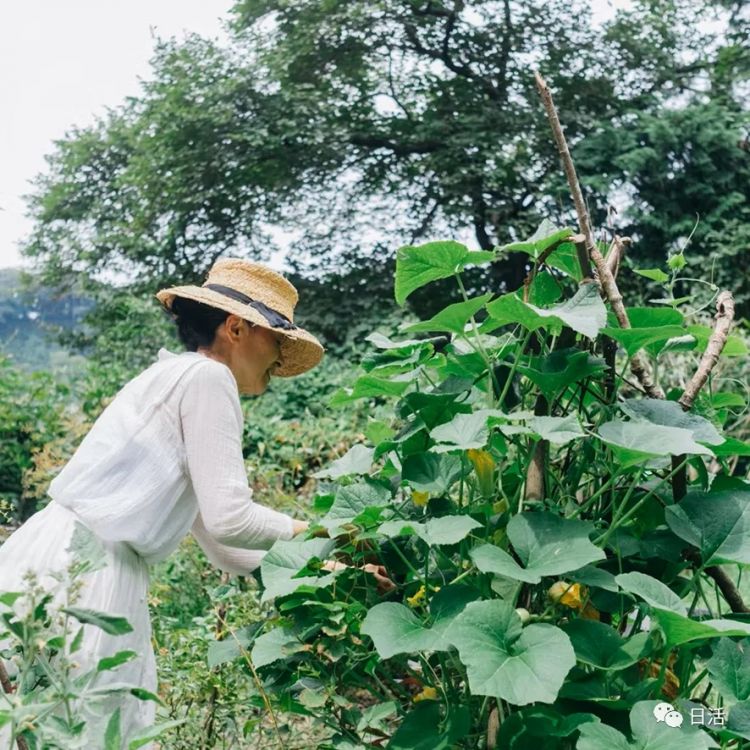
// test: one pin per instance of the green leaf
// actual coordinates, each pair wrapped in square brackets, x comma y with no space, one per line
[547,545]
[655,274]
[584,312]
[634,339]
[729,668]
[400,348]
[544,289]
[276,644]
[353,499]
[285,559]
[602,646]
[112,662]
[357,460]
[648,733]
[464,431]
[739,719]
[423,729]
[477,258]
[77,640]
[231,648]
[527,728]
[561,368]
[676,262]
[735,346]
[557,430]
[651,317]
[545,235]
[395,629]
[417,266]
[637,442]
[717,523]
[110,624]
[594,578]
[436,531]
[671,414]
[374,716]
[447,529]
[679,629]
[653,592]
[452,319]
[595,736]
[112,736]
[731,447]
[378,432]
[369,386]
[504,660]
[430,472]
[140,693]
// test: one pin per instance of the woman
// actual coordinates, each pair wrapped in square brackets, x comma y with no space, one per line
[165,458]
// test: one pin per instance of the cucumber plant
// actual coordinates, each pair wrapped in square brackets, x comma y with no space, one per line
[554,586]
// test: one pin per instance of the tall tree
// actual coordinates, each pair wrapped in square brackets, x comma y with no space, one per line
[358,125]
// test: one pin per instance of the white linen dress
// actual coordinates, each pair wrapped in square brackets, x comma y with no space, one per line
[164,458]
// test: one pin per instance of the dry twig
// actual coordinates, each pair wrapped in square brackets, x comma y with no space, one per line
[616,254]
[716,342]
[724,317]
[606,279]
[538,262]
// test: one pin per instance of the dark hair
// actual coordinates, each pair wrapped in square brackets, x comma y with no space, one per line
[196,322]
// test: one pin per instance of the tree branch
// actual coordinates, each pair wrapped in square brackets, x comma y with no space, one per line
[540,261]
[716,342]
[606,280]
[728,589]
[460,69]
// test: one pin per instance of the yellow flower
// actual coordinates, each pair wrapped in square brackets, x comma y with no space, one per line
[568,594]
[420,499]
[574,596]
[416,599]
[484,466]
[428,694]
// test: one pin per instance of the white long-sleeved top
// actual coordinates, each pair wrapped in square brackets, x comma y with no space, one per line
[165,457]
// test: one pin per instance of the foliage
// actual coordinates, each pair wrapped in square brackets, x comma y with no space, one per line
[351,124]
[192,605]
[31,416]
[29,317]
[54,703]
[547,582]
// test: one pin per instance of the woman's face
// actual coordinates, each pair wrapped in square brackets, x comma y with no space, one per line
[250,352]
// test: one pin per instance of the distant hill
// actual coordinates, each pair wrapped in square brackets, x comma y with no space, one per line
[30,319]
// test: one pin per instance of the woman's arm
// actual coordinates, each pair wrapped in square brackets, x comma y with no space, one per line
[212,425]
[233,560]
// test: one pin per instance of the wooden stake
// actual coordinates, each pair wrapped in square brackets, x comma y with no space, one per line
[605,278]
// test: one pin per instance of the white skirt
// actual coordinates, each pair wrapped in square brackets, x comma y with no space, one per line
[119,588]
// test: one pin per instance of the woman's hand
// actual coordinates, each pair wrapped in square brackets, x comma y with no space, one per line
[384,584]
[298,527]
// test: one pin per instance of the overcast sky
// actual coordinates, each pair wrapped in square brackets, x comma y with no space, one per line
[63,62]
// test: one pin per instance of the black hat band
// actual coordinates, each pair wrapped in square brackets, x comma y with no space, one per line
[274,318]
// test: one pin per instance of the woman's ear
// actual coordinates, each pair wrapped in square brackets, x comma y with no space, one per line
[235,325]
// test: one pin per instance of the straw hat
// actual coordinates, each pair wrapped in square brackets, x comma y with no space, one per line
[261,296]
